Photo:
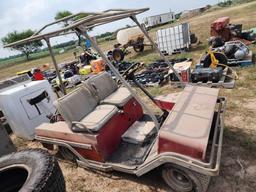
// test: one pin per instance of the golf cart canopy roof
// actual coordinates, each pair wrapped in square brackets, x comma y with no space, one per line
[92,20]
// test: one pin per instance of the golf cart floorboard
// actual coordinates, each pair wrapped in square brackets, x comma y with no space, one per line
[130,154]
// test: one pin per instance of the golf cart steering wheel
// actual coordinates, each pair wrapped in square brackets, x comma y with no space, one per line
[130,70]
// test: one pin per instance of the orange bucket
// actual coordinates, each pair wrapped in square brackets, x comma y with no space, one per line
[98,65]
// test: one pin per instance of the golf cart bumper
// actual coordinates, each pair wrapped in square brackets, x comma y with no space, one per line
[210,166]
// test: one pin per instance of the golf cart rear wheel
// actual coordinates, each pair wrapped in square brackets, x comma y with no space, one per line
[118,55]
[181,179]
[138,48]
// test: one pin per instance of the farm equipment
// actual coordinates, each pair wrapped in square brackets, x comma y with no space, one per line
[222,31]
[130,37]
[108,127]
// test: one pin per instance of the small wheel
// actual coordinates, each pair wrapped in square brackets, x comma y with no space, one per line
[118,55]
[138,48]
[67,154]
[181,179]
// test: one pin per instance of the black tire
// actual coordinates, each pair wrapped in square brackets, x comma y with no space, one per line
[33,170]
[118,55]
[193,38]
[181,179]
[206,59]
[138,48]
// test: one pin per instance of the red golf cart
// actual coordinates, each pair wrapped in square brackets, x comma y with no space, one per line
[107,126]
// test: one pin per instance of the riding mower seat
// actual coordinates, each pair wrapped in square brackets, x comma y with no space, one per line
[82,112]
[105,89]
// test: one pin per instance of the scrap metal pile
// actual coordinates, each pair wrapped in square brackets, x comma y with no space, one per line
[228,47]
[154,74]
[229,42]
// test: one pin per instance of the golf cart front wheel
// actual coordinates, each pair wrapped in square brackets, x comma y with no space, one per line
[181,179]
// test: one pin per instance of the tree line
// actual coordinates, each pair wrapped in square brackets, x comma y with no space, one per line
[35,46]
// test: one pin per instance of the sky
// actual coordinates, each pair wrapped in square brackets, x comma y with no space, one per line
[33,14]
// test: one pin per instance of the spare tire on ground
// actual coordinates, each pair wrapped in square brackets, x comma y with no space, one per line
[33,170]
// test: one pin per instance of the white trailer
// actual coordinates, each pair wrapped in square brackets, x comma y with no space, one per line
[160,19]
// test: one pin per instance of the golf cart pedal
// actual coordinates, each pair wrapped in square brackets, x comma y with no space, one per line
[139,132]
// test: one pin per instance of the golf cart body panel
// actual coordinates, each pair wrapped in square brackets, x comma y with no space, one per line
[167,102]
[187,128]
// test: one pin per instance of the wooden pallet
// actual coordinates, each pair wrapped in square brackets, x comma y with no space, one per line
[225,82]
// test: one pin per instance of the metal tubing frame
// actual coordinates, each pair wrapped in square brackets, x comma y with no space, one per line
[95,19]
[55,65]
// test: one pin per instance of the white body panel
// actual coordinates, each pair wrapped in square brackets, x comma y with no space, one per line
[23,117]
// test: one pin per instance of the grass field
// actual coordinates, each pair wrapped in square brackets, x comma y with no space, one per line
[238,167]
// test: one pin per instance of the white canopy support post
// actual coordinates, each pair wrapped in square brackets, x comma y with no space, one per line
[117,74]
[133,17]
[63,89]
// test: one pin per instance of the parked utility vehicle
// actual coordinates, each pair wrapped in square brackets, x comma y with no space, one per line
[107,126]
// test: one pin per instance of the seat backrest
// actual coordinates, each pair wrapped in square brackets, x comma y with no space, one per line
[76,105]
[101,85]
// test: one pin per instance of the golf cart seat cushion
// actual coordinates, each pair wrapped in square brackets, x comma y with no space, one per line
[99,117]
[105,89]
[187,128]
[139,132]
[119,98]
[101,85]
[76,105]
[81,106]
